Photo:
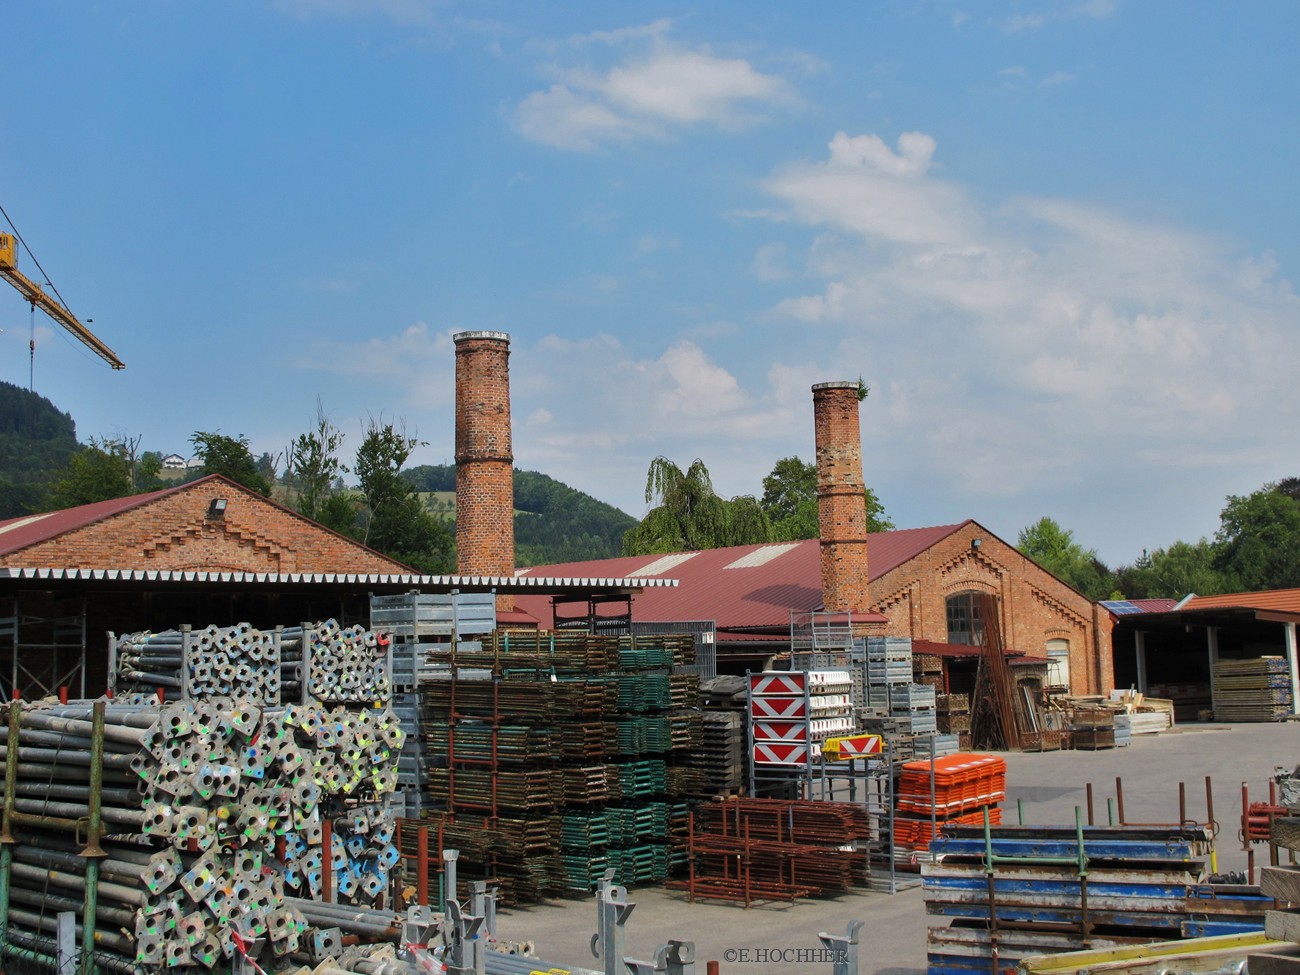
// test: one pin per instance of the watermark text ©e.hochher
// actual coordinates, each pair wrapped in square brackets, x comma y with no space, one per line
[787,956]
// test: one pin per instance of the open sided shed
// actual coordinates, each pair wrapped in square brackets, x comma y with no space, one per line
[210,551]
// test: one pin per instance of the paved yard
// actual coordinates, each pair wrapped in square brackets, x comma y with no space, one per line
[1049,786]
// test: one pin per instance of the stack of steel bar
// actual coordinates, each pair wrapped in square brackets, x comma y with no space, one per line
[684,690]
[1252,690]
[583,741]
[211,662]
[528,650]
[1012,891]
[217,812]
[643,734]
[516,855]
[488,790]
[752,850]
[686,728]
[478,742]
[541,742]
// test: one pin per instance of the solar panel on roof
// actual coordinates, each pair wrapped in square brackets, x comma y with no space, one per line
[1122,607]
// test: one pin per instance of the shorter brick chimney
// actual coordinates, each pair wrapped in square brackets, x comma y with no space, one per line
[841,506]
[485,508]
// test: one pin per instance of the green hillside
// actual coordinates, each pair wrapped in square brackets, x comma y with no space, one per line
[553,522]
[36,441]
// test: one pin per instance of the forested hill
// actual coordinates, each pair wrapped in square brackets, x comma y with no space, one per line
[36,441]
[553,522]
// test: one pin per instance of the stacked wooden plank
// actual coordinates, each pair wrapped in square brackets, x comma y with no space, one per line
[1187,701]
[1281,923]
[1127,885]
[1252,690]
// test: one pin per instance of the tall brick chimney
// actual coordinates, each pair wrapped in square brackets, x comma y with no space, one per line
[485,509]
[841,507]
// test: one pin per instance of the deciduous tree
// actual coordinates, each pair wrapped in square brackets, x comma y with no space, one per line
[790,501]
[1055,549]
[230,457]
[396,522]
[313,466]
[687,514]
[1259,539]
[98,472]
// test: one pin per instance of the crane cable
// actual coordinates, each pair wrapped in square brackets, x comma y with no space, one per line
[44,275]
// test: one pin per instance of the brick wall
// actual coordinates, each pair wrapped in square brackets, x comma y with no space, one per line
[173,532]
[841,507]
[485,519]
[1036,607]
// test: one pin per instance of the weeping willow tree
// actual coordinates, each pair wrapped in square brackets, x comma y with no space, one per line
[687,514]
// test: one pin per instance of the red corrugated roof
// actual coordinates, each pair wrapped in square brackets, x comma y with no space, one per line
[18,533]
[744,586]
[1276,600]
[1154,605]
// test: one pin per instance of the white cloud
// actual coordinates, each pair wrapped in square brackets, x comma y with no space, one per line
[1037,334]
[870,190]
[656,89]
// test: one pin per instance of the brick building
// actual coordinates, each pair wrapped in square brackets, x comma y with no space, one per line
[208,525]
[207,552]
[922,585]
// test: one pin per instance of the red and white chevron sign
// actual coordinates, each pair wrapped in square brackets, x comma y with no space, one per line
[774,753]
[777,683]
[779,707]
[780,731]
[853,746]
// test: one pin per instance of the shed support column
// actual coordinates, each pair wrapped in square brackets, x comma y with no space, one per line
[1212,645]
[1140,643]
[1288,630]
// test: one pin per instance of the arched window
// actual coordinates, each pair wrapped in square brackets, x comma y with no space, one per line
[1058,666]
[964,625]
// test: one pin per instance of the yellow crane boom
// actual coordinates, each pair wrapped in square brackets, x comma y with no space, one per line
[31,291]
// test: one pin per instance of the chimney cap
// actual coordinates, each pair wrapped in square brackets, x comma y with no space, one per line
[466,336]
[837,384]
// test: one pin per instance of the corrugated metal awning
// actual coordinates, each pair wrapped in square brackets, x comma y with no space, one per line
[500,584]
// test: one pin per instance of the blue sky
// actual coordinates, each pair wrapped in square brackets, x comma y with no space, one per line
[1057,240]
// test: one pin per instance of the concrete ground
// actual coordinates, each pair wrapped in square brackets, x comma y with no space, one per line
[1048,786]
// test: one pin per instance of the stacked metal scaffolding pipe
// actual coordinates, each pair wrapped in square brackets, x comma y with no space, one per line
[211,662]
[178,833]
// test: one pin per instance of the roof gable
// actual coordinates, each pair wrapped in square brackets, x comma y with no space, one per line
[172,529]
[17,534]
